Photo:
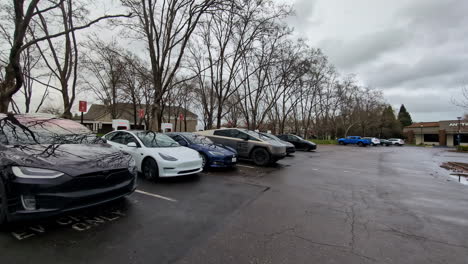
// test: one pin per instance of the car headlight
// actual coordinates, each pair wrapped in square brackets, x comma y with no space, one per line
[167,157]
[216,153]
[35,173]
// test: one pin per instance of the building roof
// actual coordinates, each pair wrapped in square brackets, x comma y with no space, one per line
[424,124]
[125,111]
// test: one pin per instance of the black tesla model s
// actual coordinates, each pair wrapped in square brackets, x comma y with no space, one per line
[51,165]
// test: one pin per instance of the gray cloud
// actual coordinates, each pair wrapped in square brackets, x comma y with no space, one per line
[365,48]
[415,51]
[431,70]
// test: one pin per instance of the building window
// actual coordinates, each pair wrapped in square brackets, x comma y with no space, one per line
[431,137]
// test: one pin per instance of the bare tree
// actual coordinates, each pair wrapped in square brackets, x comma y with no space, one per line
[105,73]
[13,79]
[62,58]
[223,42]
[166,26]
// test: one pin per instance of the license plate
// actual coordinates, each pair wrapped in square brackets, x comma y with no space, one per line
[234,159]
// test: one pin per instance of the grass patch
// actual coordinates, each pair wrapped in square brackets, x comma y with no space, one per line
[324,141]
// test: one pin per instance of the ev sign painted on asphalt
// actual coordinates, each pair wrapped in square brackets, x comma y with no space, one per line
[83,106]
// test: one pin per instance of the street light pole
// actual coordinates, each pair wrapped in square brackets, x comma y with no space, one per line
[459,128]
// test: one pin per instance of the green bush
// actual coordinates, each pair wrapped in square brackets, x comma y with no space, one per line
[462,148]
[324,141]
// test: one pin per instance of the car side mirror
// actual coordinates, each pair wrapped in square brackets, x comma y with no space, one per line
[132,145]
[245,137]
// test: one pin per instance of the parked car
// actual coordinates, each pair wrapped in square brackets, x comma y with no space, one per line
[298,142]
[397,141]
[52,165]
[363,142]
[290,148]
[156,155]
[374,141]
[213,155]
[248,144]
[385,142]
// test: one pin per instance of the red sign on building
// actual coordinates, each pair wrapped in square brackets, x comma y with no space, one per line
[83,106]
[141,113]
[181,117]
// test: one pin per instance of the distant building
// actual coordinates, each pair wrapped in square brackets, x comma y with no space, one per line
[442,133]
[99,119]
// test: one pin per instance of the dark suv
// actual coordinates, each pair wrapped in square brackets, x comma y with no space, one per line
[50,165]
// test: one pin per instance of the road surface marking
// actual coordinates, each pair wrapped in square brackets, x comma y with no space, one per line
[156,196]
[245,166]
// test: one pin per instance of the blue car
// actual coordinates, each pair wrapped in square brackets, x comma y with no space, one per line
[214,155]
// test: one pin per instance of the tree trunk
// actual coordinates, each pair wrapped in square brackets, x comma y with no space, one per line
[4,103]
[219,117]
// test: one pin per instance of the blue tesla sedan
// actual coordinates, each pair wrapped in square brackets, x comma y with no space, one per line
[214,155]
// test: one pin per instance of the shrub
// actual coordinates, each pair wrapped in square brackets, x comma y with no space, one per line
[462,148]
[324,141]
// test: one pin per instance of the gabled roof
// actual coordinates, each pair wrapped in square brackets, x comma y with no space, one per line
[125,111]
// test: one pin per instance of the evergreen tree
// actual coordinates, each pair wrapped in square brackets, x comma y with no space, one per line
[390,126]
[404,117]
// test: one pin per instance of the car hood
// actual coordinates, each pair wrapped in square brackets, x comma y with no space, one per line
[72,159]
[274,142]
[287,144]
[214,147]
[180,153]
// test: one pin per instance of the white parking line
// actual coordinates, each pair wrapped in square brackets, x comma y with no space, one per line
[238,165]
[156,196]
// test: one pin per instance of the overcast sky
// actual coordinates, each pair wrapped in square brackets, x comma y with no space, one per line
[416,51]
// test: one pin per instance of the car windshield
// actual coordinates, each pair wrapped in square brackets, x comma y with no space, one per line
[198,139]
[156,140]
[32,130]
[270,136]
[255,134]
[298,137]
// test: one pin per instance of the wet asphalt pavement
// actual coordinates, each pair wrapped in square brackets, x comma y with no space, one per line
[341,204]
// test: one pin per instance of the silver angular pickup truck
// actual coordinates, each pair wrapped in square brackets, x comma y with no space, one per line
[248,144]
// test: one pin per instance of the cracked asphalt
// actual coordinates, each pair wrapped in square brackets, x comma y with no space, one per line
[349,205]
[341,204]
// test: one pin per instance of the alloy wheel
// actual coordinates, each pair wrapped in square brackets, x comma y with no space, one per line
[150,170]
[204,160]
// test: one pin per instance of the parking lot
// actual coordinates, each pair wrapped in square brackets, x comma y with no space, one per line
[340,204]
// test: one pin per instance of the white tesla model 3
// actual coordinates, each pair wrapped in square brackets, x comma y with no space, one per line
[156,154]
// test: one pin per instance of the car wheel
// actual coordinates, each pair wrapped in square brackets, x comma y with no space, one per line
[150,169]
[204,161]
[3,203]
[260,156]
[341,142]
[360,144]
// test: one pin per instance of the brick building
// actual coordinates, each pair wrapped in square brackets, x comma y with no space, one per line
[442,133]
